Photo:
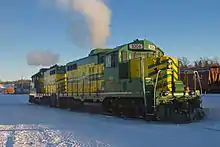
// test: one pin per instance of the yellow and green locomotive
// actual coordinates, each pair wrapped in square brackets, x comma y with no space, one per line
[135,80]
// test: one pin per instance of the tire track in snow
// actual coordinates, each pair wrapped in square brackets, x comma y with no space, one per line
[10,139]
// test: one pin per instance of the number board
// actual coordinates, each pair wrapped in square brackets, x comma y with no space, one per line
[151,47]
[136,46]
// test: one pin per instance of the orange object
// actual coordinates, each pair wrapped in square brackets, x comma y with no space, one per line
[187,88]
[9,90]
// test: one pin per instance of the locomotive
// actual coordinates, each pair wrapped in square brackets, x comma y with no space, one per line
[133,80]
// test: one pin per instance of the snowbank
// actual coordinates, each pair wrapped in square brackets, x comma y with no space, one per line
[24,124]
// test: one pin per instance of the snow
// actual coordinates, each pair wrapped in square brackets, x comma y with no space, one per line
[24,125]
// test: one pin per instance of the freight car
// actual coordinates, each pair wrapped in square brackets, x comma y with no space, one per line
[134,79]
[209,77]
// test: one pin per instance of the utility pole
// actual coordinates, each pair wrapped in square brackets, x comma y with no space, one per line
[22,82]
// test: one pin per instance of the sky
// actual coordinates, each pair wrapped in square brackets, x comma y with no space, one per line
[188,28]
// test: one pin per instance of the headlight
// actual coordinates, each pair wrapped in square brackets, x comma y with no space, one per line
[164,94]
[169,61]
[192,93]
[169,66]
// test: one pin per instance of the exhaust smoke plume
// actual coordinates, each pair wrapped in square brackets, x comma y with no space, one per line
[42,58]
[95,29]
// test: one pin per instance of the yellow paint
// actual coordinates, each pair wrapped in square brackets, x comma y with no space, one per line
[55,83]
[85,79]
[41,82]
[136,70]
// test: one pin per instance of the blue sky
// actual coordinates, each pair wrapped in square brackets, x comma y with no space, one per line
[181,28]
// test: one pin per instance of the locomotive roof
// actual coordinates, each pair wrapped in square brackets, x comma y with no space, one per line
[90,57]
[42,70]
[97,51]
[55,67]
[144,42]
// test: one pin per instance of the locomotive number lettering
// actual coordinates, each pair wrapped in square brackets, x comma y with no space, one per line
[136,46]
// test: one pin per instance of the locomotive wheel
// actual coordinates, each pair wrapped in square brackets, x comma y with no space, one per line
[71,103]
[68,103]
[106,105]
[77,105]
[62,103]
[180,117]
[129,107]
[199,114]
[126,107]
[115,107]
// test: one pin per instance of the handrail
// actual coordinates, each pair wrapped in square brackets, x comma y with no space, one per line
[196,73]
[198,77]
[155,87]
[143,81]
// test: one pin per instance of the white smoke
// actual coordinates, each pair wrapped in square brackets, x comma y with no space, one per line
[42,58]
[97,19]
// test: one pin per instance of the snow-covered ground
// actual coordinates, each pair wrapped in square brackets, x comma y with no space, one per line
[24,125]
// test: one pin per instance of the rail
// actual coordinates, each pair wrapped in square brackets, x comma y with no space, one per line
[143,81]
[198,77]
[155,87]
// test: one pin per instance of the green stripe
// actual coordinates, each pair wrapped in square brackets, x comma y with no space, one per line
[91,77]
[97,74]
[171,76]
[164,76]
[162,62]
[60,79]
[177,72]
[155,72]
[165,68]
[157,64]
[86,79]
[174,63]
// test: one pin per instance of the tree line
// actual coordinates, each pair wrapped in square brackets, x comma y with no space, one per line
[15,82]
[184,62]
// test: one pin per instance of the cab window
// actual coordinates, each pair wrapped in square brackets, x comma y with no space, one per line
[111,60]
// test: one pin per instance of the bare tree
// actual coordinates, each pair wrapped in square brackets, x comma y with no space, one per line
[206,62]
[184,62]
[196,63]
[215,61]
